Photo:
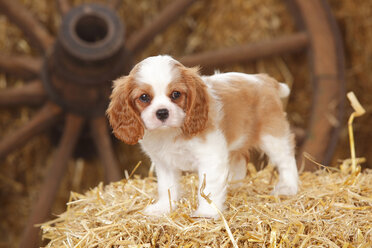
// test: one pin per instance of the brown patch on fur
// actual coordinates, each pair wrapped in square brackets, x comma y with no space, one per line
[181,87]
[268,80]
[124,119]
[197,101]
[137,91]
[250,110]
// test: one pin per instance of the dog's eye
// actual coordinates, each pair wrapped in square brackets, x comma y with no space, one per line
[175,95]
[145,98]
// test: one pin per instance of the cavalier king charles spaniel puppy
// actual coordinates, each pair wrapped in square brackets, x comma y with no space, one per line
[208,124]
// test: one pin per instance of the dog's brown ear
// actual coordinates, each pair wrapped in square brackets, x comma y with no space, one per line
[125,121]
[197,102]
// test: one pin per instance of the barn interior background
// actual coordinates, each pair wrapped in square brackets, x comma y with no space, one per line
[205,26]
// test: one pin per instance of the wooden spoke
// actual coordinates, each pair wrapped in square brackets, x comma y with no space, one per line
[31,93]
[18,14]
[20,65]
[141,38]
[63,6]
[43,119]
[283,45]
[102,141]
[41,209]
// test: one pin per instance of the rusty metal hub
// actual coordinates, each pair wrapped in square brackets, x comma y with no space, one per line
[86,56]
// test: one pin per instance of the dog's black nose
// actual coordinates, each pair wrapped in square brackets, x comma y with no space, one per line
[162,114]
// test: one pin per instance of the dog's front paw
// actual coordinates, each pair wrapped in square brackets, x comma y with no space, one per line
[206,211]
[157,209]
[285,188]
[288,182]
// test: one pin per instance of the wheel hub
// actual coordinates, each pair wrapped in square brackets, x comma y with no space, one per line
[87,55]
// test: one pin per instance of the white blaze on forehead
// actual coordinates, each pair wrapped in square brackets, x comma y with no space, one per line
[157,71]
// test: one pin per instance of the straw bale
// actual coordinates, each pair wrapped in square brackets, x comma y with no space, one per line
[332,209]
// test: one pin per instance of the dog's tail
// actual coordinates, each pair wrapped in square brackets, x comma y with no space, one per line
[283,90]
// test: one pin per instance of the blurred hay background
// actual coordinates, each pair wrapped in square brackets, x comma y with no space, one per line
[207,25]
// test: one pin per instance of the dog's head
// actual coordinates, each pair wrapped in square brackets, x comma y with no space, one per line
[159,93]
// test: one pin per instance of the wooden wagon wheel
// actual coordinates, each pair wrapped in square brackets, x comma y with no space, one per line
[73,78]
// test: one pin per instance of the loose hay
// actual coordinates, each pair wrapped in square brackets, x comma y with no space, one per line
[332,209]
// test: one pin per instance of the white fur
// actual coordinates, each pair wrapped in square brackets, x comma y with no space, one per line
[226,77]
[158,71]
[280,153]
[237,170]
[207,155]
[161,101]
[283,90]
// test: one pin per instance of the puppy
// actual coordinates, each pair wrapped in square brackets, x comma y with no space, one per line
[207,124]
